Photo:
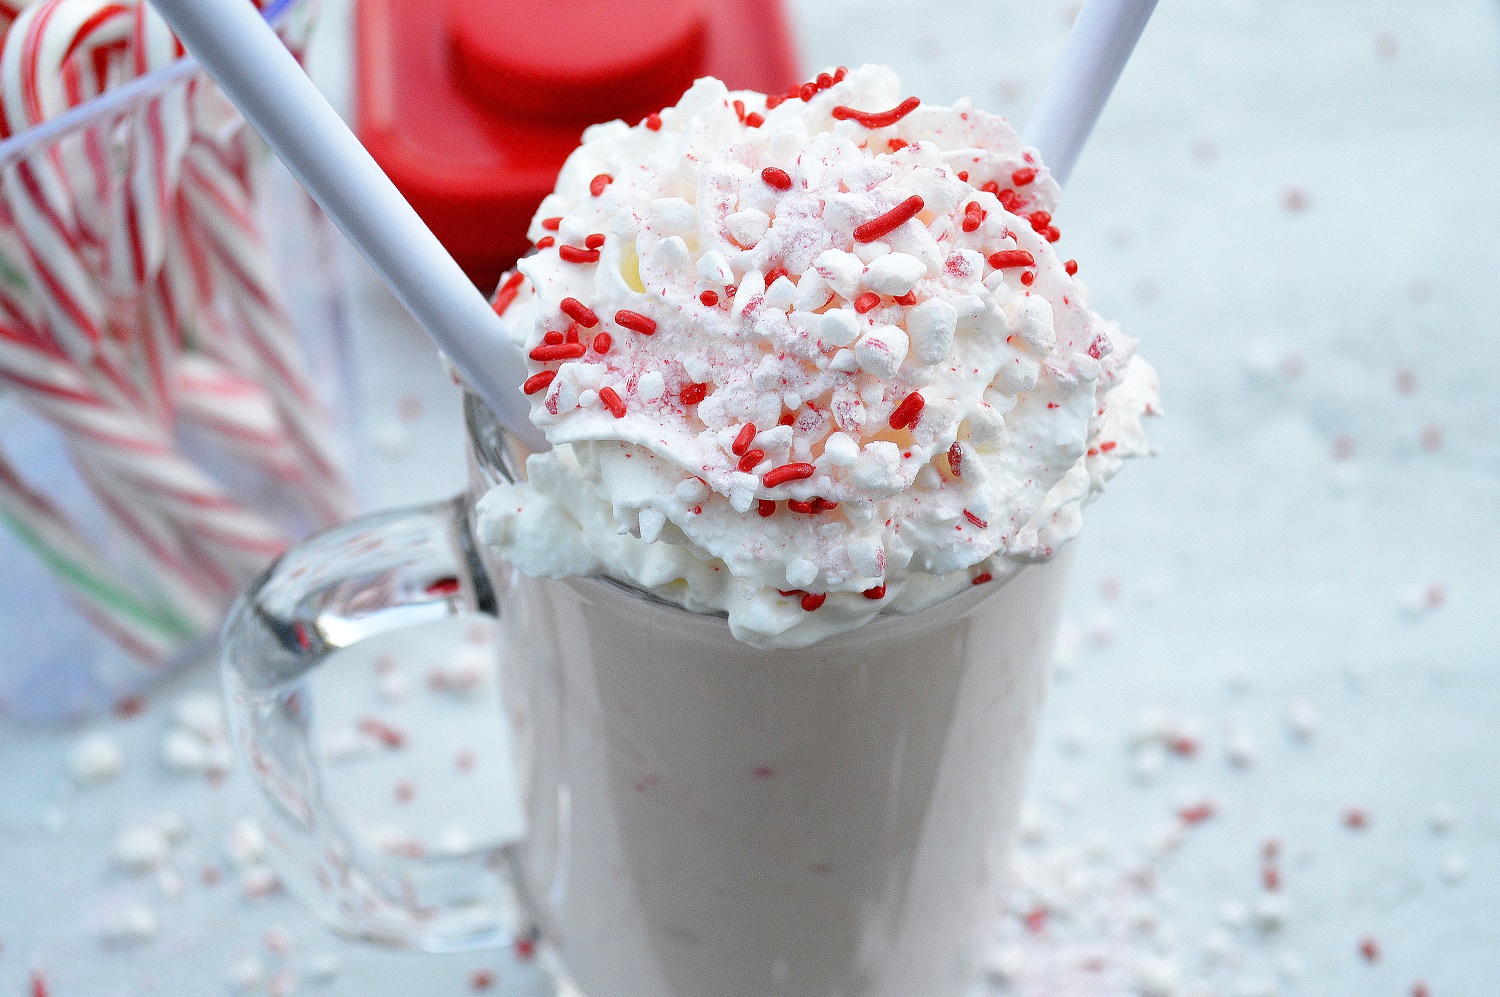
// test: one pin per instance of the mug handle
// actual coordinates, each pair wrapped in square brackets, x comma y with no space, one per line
[286,643]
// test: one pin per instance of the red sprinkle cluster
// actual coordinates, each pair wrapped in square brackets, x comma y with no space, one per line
[808,90]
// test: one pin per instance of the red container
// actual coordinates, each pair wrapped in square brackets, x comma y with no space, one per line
[471,106]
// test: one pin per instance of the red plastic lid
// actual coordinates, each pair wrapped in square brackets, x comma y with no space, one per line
[472,107]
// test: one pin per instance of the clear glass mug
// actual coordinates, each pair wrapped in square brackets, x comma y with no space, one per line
[691,816]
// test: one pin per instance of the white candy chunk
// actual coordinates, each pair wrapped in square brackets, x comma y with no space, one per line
[140,848]
[838,327]
[246,844]
[1019,376]
[714,268]
[625,224]
[881,351]
[931,326]
[202,713]
[984,425]
[651,522]
[869,252]
[842,451]
[746,227]
[841,270]
[185,754]
[1085,367]
[894,274]
[800,572]
[867,557]
[671,254]
[879,467]
[843,361]
[651,386]
[130,925]
[672,216]
[752,288]
[780,294]
[812,292]
[96,759]
[1033,325]
[690,491]
[572,230]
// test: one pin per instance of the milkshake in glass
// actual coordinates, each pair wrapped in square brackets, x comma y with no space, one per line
[826,405]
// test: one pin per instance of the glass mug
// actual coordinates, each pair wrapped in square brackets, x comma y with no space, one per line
[692,816]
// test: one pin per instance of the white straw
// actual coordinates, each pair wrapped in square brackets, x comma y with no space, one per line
[244,56]
[1091,61]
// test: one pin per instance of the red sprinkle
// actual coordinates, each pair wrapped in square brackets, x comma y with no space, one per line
[635,322]
[840,73]
[821,504]
[1009,200]
[754,120]
[973,216]
[1052,233]
[1356,819]
[787,419]
[813,600]
[1107,446]
[1370,949]
[653,121]
[808,91]
[991,187]
[766,508]
[1011,258]
[963,175]
[612,402]
[751,459]
[562,351]
[908,299]
[787,472]
[983,578]
[1036,920]
[546,242]
[594,240]
[743,440]
[382,732]
[824,81]
[1071,266]
[890,221]
[877,119]
[597,185]
[1028,278]
[797,505]
[482,979]
[709,298]
[579,312]
[538,382]
[572,336]
[692,394]
[866,301]
[552,224]
[38,984]
[525,948]
[508,292]
[774,101]
[897,144]
[1023,176]
[878,592]
[1196,814]
[956,459]
[776,177]
[1271,877]
[981,524]
[739,110]
[572,254]
[774,274]
[603,342]
[554,337]
[909,411]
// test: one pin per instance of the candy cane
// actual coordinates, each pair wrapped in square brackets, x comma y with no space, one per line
[92,584]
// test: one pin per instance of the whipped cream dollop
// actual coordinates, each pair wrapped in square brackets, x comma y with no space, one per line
[808,359]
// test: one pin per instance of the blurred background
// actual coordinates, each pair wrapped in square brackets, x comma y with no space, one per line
[1267,765]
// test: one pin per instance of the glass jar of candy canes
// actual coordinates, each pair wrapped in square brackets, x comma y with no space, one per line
[174,389]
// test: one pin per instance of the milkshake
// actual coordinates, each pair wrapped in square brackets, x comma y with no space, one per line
[826,405]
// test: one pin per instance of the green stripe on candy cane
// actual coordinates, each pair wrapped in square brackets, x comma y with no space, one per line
[12,277]
[165,626]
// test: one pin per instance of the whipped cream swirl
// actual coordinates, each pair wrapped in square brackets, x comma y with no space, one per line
[807,360]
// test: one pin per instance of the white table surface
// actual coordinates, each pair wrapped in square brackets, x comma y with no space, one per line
[1293,205]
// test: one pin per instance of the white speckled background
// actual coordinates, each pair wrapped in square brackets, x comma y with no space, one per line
[1293,204]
